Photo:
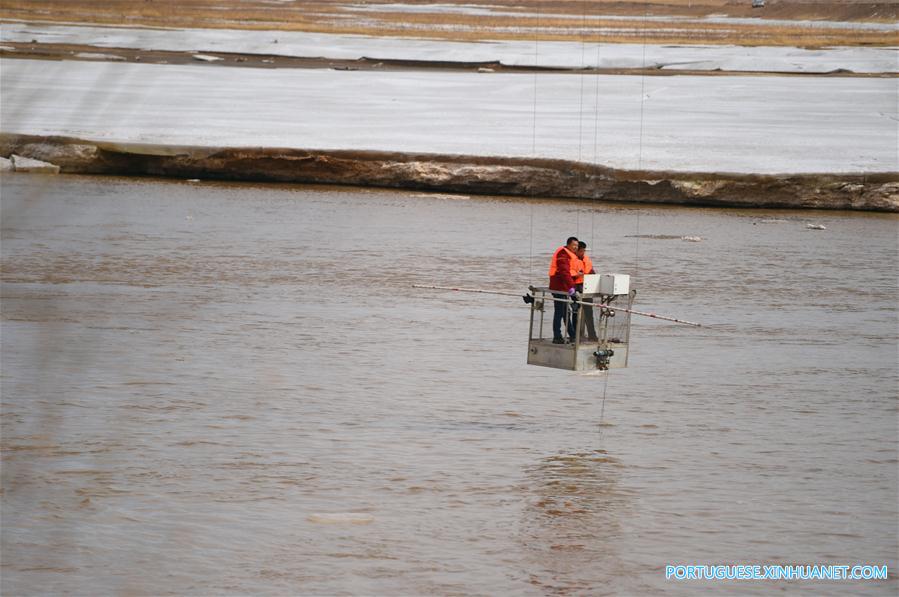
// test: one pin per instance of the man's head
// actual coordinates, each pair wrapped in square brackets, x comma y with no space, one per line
[572,244]
[581,249]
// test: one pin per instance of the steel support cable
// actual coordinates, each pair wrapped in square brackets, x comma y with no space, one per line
[559,300]
[602,410]
[605,385]
[534,144]
[640,145]
[595,142]
[593,206]
[580,111]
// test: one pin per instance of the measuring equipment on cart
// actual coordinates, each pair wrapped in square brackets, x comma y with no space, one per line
[602,332]
[602,337]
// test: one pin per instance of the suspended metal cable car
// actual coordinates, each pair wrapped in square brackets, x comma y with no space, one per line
[606,303]
[601,333]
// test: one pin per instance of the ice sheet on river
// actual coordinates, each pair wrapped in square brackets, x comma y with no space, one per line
[689,123]
[513,53]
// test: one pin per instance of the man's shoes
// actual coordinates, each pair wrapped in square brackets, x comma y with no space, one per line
[592,339]
[558,340]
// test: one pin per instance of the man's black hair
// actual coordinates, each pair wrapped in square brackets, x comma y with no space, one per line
[581,244]
[571,238]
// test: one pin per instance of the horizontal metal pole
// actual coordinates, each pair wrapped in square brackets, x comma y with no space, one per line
[478,290]
[552,297]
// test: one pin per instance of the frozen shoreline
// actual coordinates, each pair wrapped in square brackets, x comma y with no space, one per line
[527,177]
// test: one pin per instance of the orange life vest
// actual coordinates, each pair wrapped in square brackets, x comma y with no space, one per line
[586,266]
[575,267]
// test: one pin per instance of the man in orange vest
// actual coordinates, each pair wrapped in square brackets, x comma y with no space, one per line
[586,268]
[563,267]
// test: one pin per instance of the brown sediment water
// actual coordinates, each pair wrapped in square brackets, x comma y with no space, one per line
[228,388]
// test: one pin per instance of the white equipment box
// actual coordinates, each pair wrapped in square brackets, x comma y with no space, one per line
[591,283]
[613,284]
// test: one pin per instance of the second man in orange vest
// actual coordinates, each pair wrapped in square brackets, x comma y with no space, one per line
[586,268]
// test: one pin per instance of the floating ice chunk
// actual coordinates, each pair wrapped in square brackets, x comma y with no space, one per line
[692,239]
[440,196]
[341,518]
[29,165]
[816,226]
[6,165]
[206,58]
[98,56]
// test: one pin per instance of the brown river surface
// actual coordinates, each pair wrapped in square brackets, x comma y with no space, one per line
[216,389]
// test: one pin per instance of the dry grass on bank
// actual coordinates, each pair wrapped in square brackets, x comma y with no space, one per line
[528,19]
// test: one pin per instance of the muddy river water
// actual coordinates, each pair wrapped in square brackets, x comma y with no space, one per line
[233,389]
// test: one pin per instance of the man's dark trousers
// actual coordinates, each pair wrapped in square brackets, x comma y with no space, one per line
[560,313]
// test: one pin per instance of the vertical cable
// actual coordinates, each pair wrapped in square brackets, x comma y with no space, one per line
[536,66]
[534,142]
[602,411]
[640,148]
[595,140]
[580,111]
[531,252]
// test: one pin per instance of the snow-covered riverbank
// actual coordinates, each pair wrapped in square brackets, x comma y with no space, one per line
[760,125]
